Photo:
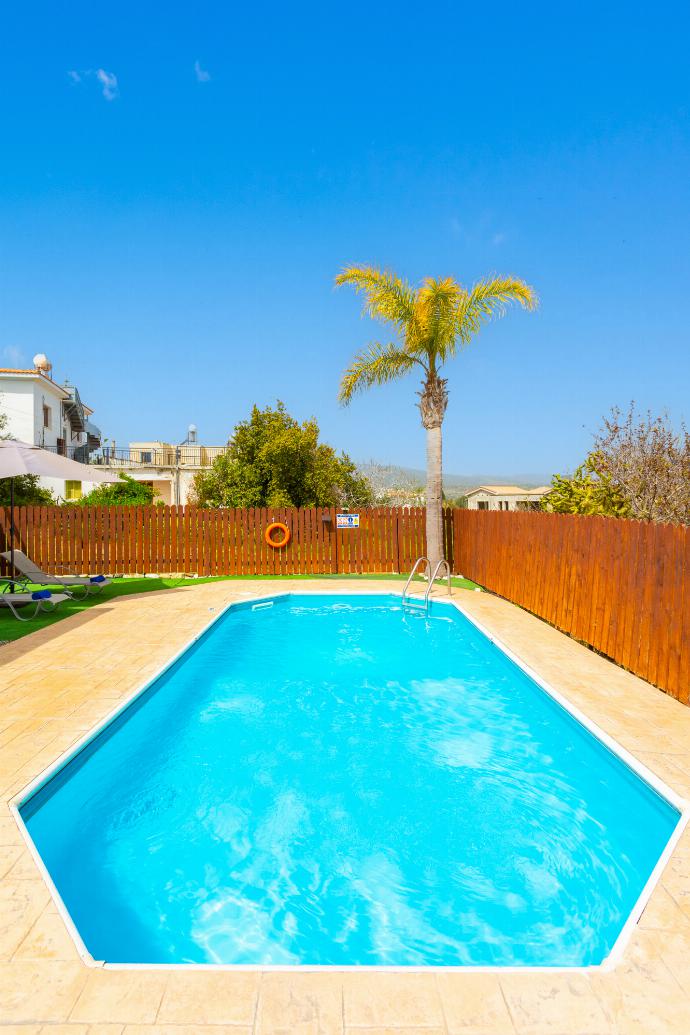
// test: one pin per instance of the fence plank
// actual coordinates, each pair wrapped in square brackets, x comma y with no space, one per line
[683,636]
[621,586]
[675,617]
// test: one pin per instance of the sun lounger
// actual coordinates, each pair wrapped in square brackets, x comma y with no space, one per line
[42,600]
[32,573]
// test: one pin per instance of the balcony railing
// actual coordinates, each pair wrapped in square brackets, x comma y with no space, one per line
[78,453]
[165,456]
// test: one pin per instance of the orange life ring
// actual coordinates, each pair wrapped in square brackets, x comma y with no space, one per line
[277,543]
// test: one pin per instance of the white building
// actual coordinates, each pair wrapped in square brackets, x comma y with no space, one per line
[52,415]
[44,413]
[168,469]
[504,497]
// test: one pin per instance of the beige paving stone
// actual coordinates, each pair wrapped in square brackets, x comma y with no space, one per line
[562,1004]
[185,1029]
[24,868]
[8,857]
[682,761]
[9,789]
[130,996]
[21,904]
[662,912]
[670,947]
[643,998]
[473,1004]
[105,1029]
[208,997]
[666,768]
[303,1004]
[48,939]
[92,713]
[386,999]
[404,1031]
[65,1029]
[32,993]
[676,880]
[18,734]
[20,1029]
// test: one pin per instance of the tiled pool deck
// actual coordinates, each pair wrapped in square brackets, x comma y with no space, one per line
[59,683]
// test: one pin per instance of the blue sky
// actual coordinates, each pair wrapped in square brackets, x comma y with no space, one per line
[180,183]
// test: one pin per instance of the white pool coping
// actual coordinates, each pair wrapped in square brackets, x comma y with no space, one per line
[641,770]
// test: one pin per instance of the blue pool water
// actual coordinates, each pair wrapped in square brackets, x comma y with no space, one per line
[330,781]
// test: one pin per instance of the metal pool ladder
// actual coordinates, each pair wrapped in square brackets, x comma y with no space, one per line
[414,603]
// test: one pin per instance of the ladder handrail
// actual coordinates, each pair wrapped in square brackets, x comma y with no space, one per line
[412,573]
[433,579]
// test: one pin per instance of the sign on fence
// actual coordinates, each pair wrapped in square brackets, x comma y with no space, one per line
[347,520]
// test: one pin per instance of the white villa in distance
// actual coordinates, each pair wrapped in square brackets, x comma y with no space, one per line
[504,497]
[51,415]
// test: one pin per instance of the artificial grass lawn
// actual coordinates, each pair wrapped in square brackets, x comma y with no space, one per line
[12,629]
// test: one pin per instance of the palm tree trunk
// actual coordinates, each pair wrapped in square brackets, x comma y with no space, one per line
[433,403]
[434,496]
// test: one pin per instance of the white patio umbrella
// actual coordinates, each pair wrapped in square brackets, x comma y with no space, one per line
[18,458]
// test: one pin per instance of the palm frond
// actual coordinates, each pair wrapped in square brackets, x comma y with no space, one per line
[436,305]
[489,298]
[375,365]
[386,296]
[432,321]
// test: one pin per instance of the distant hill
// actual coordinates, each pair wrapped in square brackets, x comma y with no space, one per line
[453,484]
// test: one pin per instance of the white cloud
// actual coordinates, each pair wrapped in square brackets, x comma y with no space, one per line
[13,356]
[108,80]
[498,238]
[201,74]
[109,83]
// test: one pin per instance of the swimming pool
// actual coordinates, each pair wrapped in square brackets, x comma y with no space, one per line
[326,780]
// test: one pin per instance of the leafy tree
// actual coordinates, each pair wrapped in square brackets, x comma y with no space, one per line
[431,323]
[274,461]
[588,491]
[649,461]
[639,467]
[27,491]
[125,492]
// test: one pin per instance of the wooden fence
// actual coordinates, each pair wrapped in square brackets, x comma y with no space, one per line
[158,539]
[622,587]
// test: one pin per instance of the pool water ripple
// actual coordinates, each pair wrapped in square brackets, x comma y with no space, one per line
[331,781]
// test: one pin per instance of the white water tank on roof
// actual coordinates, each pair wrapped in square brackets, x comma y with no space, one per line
[41,362]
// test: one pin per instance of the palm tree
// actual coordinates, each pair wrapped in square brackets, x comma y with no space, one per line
[432,323]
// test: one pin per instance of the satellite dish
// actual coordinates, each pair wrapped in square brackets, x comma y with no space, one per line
[41,362]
